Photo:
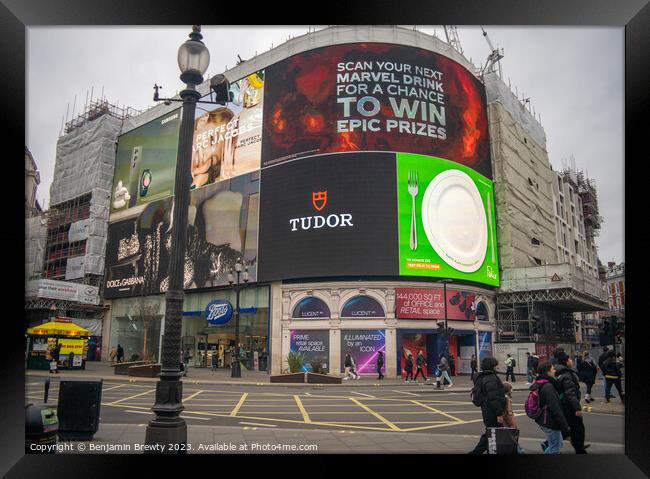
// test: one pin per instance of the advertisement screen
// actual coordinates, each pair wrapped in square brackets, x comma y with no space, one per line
[145,163]
[375,97]
[311,308]
[412,344]
[228,139]
[329,215]
[363,346]
[447,225]
[314,346]
[221,230]
[425,303]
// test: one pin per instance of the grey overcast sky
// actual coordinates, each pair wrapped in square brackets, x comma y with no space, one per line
[573,76]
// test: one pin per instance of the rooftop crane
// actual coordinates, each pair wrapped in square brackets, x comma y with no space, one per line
[494,58]
[452,37]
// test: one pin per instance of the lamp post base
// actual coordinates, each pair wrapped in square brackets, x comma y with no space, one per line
[164,437]
[236,369]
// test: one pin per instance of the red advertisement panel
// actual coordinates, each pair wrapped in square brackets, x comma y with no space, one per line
[420,303]
[413,343]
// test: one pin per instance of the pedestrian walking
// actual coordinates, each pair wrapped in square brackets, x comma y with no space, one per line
[488,393]
[509,419]
[510,367]
[54,363]
[568,387]
[380,364]
[113,355]
[349,367]
[601,361]
[587,371]
[543,406]
[186,360]
[353,369]
[613,375]
[120,353]
[419,364]
[70,359]
[452,365]
[444,370]
[532,362]
[474,367]
[408,367]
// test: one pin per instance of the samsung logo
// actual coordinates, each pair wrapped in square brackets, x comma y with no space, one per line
[170,118]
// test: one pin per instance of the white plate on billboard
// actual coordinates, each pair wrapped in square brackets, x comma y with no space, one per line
[454,221]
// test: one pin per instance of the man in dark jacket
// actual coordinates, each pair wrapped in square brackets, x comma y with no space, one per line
[408,367]
[474,367]
[380,364]
[613,375]
[532,362]
[568,387]
[601,361]
[494,400]
[587,370]
[419,363]
[552,421]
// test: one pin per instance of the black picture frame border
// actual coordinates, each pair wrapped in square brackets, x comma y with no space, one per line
[634,15]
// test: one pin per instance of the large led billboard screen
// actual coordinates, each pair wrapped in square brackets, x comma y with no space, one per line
[227,138]
[222,229]
[375,97]
[145,163]
[329,215]
[377,214]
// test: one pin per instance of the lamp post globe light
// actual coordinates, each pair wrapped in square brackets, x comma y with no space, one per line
[168,427]
[237,287]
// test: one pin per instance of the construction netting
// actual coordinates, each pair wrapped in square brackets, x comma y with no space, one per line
[85,159]
[497,90]
[35,239]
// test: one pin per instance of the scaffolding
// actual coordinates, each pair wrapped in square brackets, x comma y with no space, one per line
[586,190]
[96,109]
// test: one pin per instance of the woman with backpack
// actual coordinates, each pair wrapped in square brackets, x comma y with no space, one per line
[543,406]
[587,370]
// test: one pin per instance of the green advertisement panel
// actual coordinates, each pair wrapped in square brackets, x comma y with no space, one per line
[145,163]
[447,225]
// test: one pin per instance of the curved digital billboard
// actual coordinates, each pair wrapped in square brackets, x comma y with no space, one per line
[359,159]
[375,97]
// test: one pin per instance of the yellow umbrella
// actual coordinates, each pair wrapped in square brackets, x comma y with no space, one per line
[62,328]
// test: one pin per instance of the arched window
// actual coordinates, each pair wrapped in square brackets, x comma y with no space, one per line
[482,313]
[362,307]
[311,308]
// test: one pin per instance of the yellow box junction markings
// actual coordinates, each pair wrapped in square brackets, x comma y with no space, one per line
[239,405]
[132,397]
[193,395]
[376,414]
[305,416]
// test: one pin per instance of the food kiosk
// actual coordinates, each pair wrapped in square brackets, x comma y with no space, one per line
[42,339]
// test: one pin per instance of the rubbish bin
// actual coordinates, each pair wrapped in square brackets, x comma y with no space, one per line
[78,409]
[41,426]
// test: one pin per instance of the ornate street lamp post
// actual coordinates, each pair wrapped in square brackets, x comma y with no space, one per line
[168,427]
[237,287]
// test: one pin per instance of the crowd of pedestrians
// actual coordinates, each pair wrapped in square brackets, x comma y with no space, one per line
[553,401]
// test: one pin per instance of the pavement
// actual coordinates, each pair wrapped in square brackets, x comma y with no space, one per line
[129,439]
[206,376]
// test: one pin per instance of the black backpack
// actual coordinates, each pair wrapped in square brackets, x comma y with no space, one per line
[514,362]
[476,394]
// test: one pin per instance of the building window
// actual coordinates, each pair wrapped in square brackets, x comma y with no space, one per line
[535,241]
[538,261]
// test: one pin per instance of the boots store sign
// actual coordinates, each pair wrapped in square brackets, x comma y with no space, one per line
[218,311]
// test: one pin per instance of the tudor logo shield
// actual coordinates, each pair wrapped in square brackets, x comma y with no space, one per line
[319,199]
